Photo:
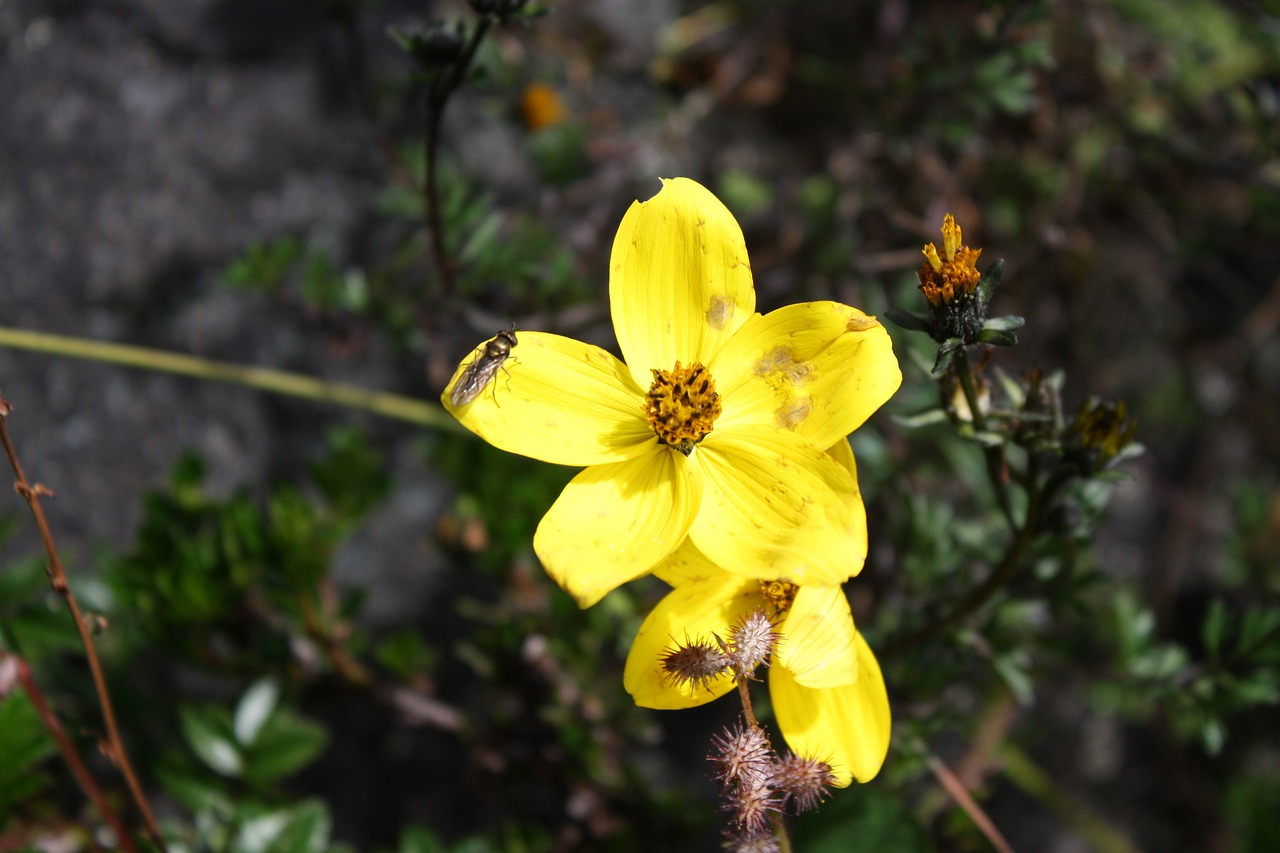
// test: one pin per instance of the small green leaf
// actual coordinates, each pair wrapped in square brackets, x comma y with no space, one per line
[24,743]
[997,337]
[908,319]
[925,418]
[1213,631]
[209,733]
[1007,323]
[286,744]
[1212,735]
[255,707]
[990,280]
[307,830]
[415,839]
[946,353]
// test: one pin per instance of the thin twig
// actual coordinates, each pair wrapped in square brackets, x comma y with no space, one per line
[58,580]
[260,378]
[994,455]
[961,795]
[69,754]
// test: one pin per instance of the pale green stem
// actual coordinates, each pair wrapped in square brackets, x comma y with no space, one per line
[261,378]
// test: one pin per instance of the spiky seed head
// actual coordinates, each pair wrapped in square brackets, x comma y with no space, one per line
[753,641]
[694,663]
[804,781]
[743,755]
[752,806]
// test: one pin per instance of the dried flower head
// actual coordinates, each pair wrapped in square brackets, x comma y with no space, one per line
[1100,431]
[752,807]
[752,641]
[743,755]
[697,662]
[803,781]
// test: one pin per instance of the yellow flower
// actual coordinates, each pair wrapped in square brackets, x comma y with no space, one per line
[713,429]
[828,693]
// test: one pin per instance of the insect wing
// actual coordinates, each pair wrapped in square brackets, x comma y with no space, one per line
[480,372]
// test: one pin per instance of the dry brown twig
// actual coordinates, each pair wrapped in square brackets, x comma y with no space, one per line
[58,580]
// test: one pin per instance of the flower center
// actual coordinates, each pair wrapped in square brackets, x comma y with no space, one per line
[953,274]
[682,405]
[780,594]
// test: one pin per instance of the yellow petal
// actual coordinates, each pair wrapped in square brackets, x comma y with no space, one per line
[818,647]
[699,611]
[848,727]
[818,368]
[687,565]
[679,279]
[560,401]
[842,453]
[615,522]
[775,507]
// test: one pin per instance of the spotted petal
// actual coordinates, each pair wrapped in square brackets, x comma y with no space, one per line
[817,368]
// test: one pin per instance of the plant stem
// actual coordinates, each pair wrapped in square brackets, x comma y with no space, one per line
[260,378]
[58,580]
[953,786]
[994,455]
[431,199]
[437,99]
[69,754]
[1002,574]
[744,693]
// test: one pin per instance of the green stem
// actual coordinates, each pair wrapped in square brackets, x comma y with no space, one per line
[261,378]
[994,455]
[1001,576]
[437,99]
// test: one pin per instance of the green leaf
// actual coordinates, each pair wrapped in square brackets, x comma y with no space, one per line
[1012,669]
[990,280]
[1212,734]
[946,353]
[209,732]
[405,653]
[286,744]
[1213,631]
[307,831]
[925,418]
[254,709]
[997,337]
[24,744]
[908,319]
[1008,322]
[415,839]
